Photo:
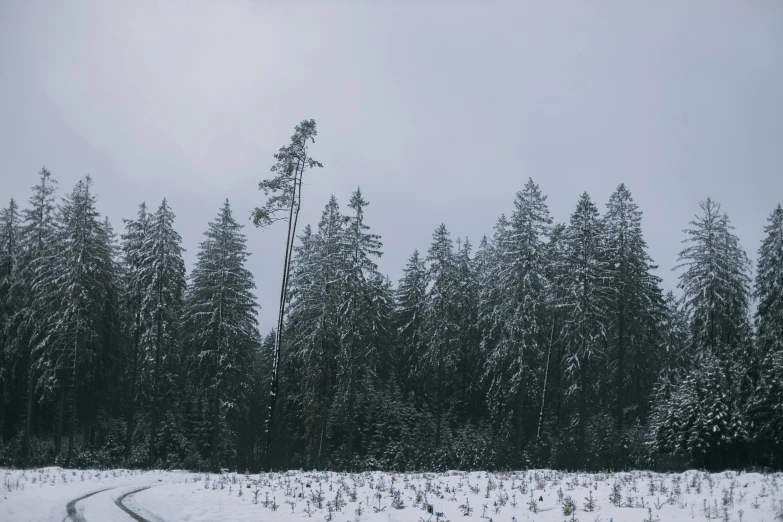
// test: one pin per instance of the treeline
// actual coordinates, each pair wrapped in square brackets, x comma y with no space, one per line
[548,344]
[106,346]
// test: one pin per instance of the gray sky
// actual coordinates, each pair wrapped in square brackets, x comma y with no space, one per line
[439,110]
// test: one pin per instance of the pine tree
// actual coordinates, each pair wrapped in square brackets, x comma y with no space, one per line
[9,257]
[715,284]
[554,294]
[633,296]
[767,402]
[316,283]
[162,277]
[674,330]
[78,283]
[110,342]
[470,394]
[133,256]
[410,306]
[311,320]
[221,323]
[710,419]
[286,190]
[521,276]
[583,279]
[362,318]
[440,355]
[769,286]
[24,328]
[492,262]
[709,404]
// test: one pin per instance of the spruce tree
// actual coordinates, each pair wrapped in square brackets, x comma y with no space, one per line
[710,402]
[133,256]
[521,276]
[551,385]
[440,355]
[25,330]
[78,283]
[410,306]
[362,318]
[715,284]
[674,331]
[633,295]
[9,257]
[162,277]
[767,402]
[316,283]
[769,286]
[221,324]
[470,395]
[583,278]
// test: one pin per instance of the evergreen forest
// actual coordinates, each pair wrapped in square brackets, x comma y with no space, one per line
[543,344]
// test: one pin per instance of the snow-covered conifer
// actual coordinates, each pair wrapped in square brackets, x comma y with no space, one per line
[221,325]
[633,295]
[162,276]
[521,276]
[9,257]
[583,277]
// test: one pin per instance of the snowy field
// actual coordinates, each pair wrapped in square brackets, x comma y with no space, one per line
[55,494]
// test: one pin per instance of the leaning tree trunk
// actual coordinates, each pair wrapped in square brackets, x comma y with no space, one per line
[296,198]
[546,379]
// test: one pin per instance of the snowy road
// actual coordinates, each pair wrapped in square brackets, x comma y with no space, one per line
[67,495]
[105,505]
[55,494]
[70,508]
[135,516]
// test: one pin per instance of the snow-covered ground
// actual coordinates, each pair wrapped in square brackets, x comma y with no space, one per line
[169,496]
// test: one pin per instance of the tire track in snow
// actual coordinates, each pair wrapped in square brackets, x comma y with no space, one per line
[70,508]
[135,516]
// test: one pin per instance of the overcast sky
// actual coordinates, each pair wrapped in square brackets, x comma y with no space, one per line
[440,111]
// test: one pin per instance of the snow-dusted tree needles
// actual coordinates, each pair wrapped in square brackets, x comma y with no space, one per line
[552,344]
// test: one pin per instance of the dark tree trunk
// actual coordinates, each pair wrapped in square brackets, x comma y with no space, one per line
[2,402]
[582,410]
[439,403]
[213,460]
[620,405]
[292,219]
[74,393]
[130,407]
[156,391]
[520,422]
[546,382]
[350,444]
[58,440]
[72,427]
[28,419]
[320,461]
